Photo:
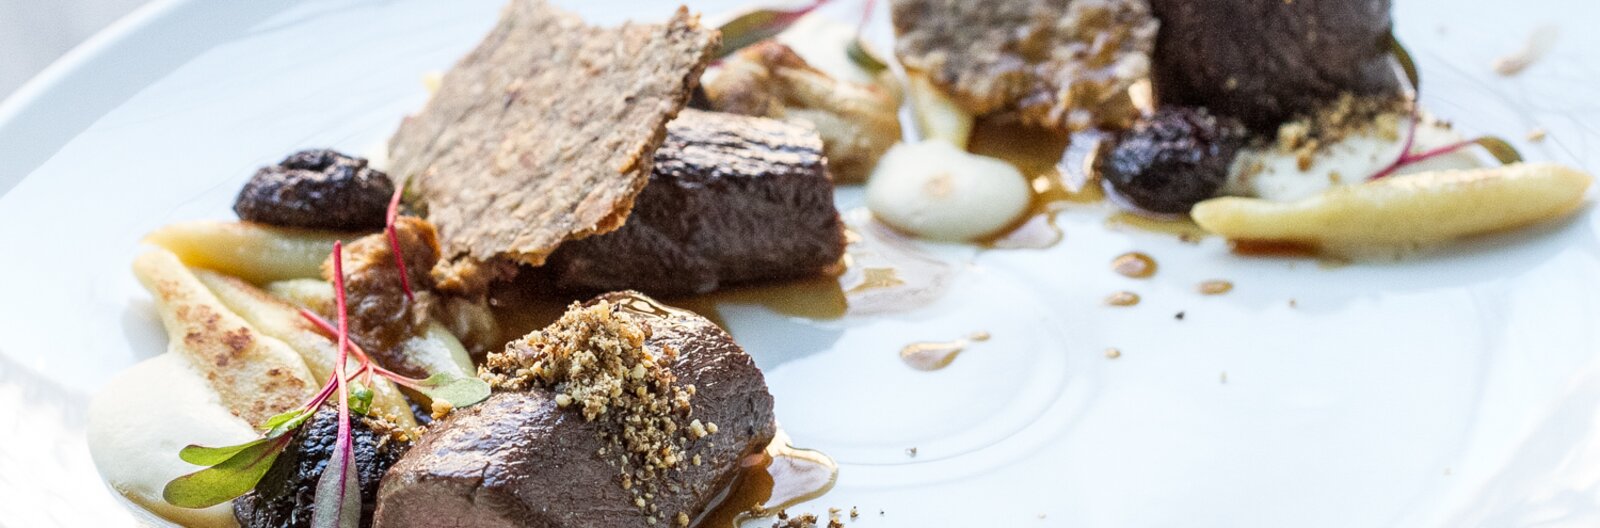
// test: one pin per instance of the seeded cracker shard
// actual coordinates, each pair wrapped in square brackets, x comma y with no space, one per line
[1063,64]
[588,427]
[544,133]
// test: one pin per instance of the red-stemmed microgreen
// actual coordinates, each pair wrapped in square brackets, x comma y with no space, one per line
[232,471]
[449,387]
[337,502]
[1497,147]
[758,25]
[394,241]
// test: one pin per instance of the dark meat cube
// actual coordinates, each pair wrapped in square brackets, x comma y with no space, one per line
[1265,62]
[731,199]
[519,460]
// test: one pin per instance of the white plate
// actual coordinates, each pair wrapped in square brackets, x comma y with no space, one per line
[1451,390]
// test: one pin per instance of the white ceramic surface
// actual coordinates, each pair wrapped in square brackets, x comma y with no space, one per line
[1460,388]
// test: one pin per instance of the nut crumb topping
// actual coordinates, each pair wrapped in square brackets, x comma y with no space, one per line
[595,360]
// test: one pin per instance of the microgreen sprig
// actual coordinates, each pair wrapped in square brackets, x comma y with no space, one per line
[235,470]
[758,25]
[1497,147]
[394,241]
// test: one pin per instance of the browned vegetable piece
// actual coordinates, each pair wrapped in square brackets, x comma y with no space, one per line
[857,122]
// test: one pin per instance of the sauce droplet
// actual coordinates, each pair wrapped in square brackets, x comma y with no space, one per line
[935,355]
[1215,287]
[1112,353]
[774,479]
[876,278]
[1136,265]
[1123,298]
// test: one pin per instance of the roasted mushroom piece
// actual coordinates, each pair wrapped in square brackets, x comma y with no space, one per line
[318,189]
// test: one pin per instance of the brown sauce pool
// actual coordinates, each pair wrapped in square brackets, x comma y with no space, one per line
[779,477]
[1182,228]
[1035,152]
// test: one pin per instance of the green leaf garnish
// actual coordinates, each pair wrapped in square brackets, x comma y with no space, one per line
[1500,149]
[361,400]
[457,390]
[756,26]
[225,480]
[211,456]
[337,503]
[862,57]
[1404,58]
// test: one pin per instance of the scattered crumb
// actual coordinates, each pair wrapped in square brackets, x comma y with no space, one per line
[1538,42]
[1112,353]
[807,520]
[854,513]
[1041,516]
[1536,135]
[440,408]
[1293,303]
[1349,115]
[683,519]
[911,452]
[1178,316]
[1224,377]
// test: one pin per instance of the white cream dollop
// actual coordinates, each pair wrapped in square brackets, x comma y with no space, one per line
[140,420]
[1273,174]
[936,191]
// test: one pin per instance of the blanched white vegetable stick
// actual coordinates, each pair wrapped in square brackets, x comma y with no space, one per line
[1405,209]
[937,115]
[257,376]
[253,252]
[436,350]
[279,319]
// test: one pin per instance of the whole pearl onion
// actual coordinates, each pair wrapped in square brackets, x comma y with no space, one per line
[936,191]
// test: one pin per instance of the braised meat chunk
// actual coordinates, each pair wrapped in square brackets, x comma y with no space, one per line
[731,199]
[1062,64]
[1265,62]
[544,133]
[625,413]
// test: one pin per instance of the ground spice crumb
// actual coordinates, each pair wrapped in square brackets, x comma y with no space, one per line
[911,452]
[1293,303]
[1224,377]
[440,408]
[854,513]
[596,361]
[807,520]
[1536,135]
[1179,316]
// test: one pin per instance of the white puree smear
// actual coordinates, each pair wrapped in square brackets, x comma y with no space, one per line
[143,417]
[1347,162]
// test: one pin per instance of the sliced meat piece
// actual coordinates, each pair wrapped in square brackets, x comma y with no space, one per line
[544,132]
[285,494]
[1061,64]
[1265,62]
[518,459]
[731,199]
